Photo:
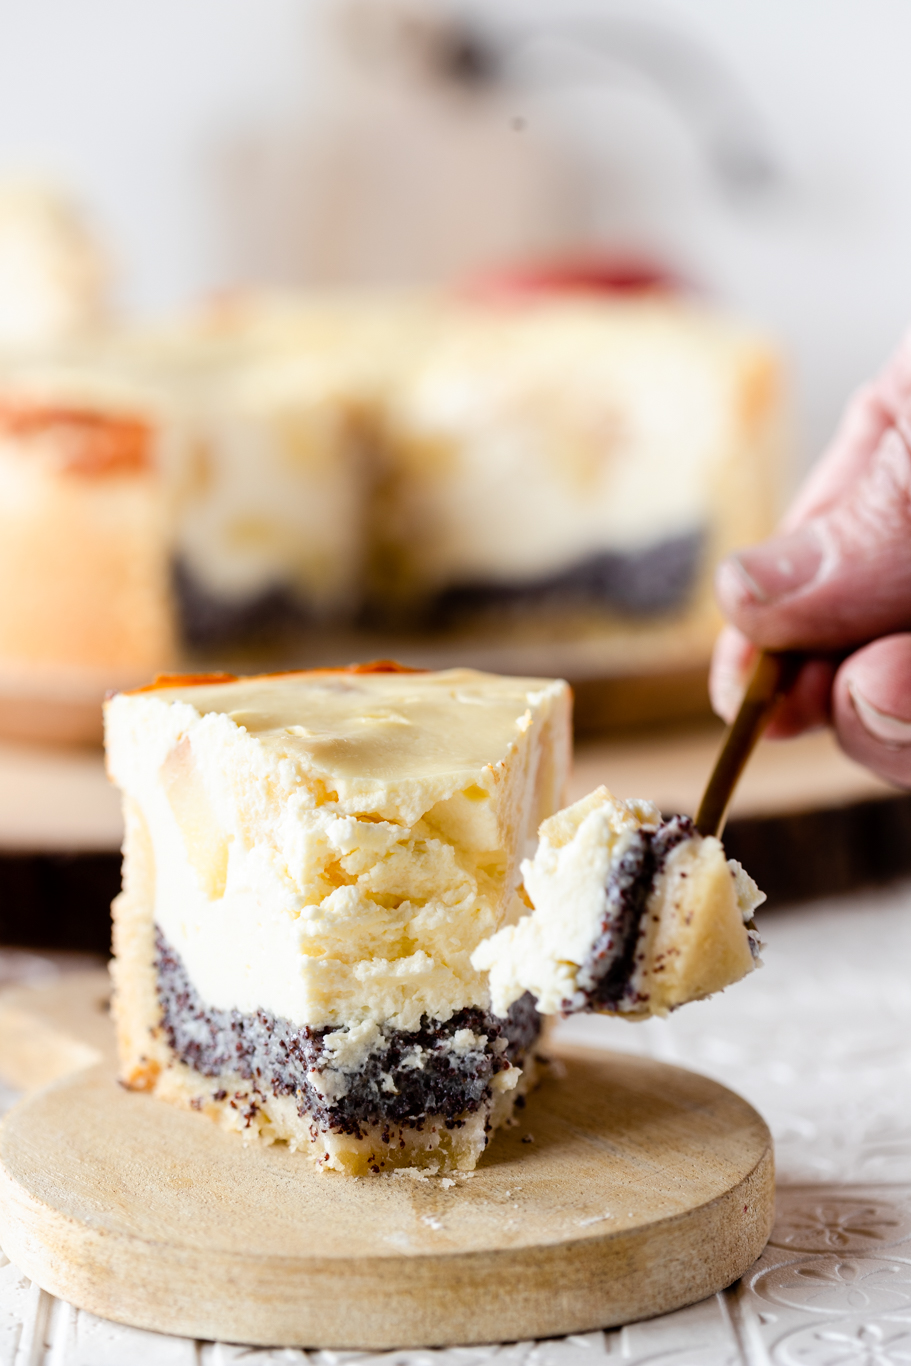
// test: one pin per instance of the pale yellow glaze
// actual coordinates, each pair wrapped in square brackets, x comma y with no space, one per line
[383,727]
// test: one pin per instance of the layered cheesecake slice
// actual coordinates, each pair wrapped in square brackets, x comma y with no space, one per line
[311,860]
[632,915]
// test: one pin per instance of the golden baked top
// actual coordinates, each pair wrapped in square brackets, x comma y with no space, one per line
[386,724]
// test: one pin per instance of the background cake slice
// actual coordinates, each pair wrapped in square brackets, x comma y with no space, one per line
[84,541]
[310,861]
[564,466]
[271,503]
[633,915]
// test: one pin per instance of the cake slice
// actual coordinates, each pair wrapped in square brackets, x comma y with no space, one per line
[275,396]
[633,915]
[270,505]
[575,468]
[310,861]
[84,545]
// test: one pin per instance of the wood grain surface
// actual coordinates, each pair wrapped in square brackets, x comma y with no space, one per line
[628,1188]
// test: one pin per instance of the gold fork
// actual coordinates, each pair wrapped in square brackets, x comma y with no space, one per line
[772,676]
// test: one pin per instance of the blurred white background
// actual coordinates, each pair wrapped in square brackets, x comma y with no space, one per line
[761,150]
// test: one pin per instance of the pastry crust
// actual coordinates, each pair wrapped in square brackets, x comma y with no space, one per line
[700,943]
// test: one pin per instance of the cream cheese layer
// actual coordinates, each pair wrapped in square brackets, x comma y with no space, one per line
[333,846]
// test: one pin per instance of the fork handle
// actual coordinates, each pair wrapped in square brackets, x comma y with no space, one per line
[772,676]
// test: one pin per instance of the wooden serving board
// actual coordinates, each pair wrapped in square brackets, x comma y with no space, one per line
[627,1189]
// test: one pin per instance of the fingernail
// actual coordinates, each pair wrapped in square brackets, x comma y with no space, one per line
[727,694]
[778,567]
[888,730]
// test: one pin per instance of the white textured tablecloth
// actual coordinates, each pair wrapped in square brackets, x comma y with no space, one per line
[820,1042]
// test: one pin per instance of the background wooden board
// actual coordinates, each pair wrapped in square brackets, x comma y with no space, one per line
[806,821]
[783,778]
[627,1189]
[56,800]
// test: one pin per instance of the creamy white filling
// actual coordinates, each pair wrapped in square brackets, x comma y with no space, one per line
[567,884]
[343,956]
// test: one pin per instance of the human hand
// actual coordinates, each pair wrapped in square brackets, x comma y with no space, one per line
[836,577]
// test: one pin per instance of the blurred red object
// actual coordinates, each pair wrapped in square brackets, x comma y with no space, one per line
[585,276]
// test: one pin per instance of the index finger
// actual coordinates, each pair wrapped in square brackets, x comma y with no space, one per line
[884,402]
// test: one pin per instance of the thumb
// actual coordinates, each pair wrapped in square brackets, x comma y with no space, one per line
[872,707]
[842,577]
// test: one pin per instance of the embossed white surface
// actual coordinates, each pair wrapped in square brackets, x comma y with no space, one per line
[820,1042]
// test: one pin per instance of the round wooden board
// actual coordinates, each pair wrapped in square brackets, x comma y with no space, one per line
[628,1188]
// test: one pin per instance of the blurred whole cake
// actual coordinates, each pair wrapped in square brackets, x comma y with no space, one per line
[433,476]
[575,467]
